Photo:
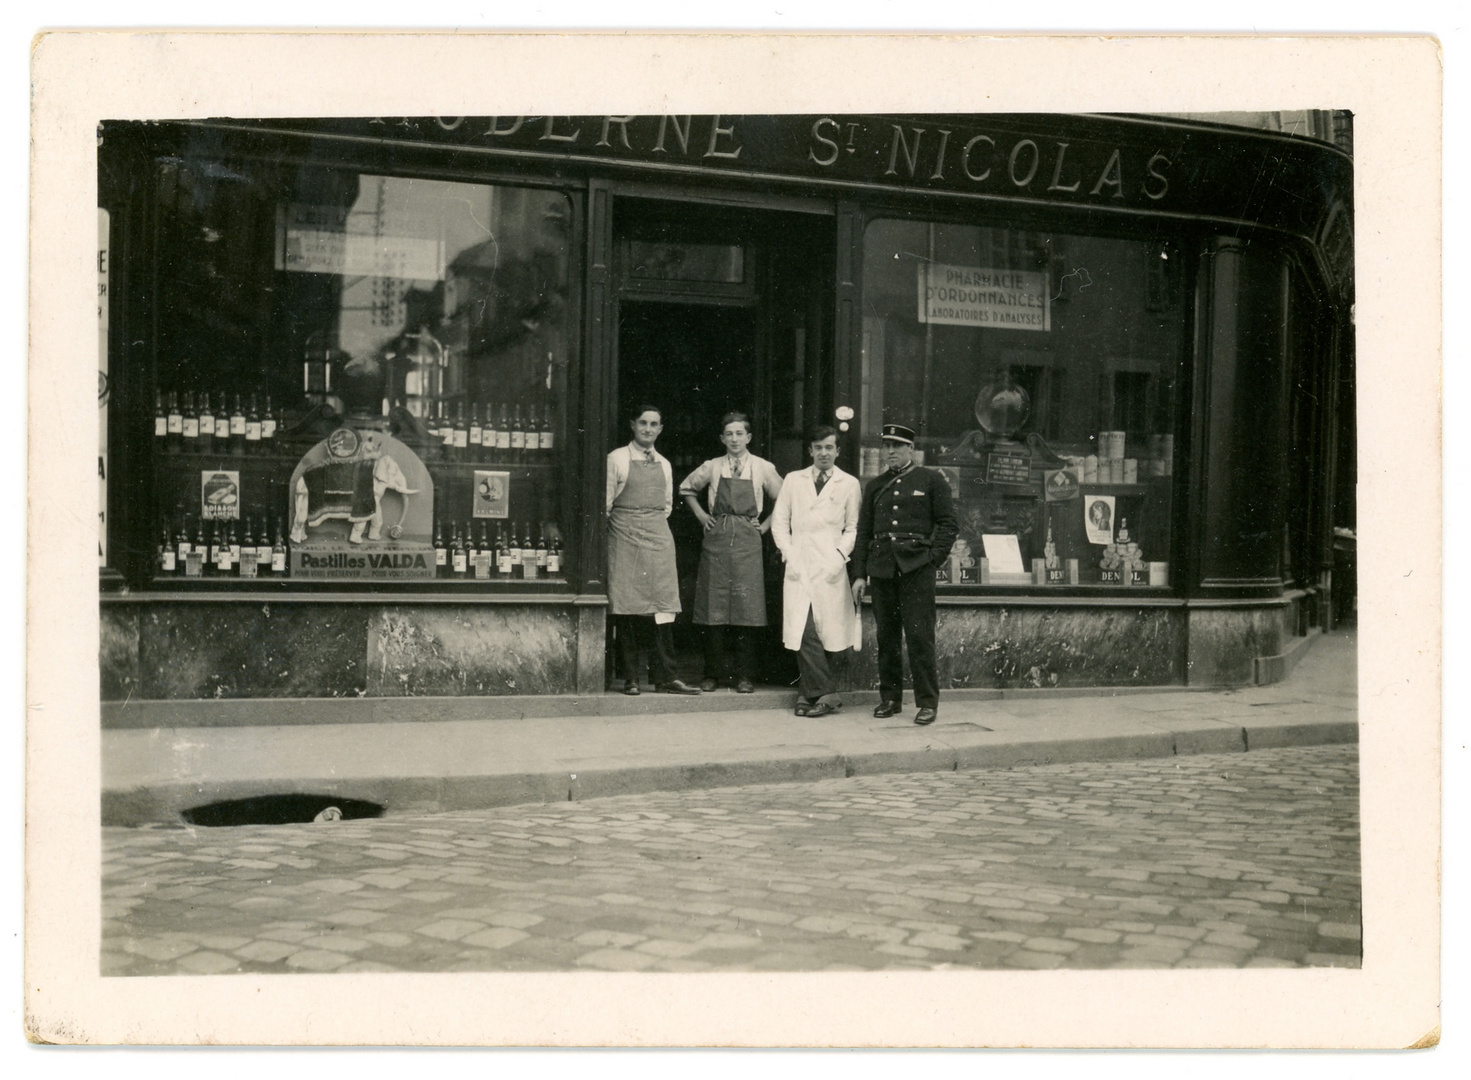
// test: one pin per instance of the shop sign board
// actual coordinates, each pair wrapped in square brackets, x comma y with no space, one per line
[362,509]
[984,297]
[1008,468]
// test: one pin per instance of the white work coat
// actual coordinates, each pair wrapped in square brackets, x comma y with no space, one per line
[815,534]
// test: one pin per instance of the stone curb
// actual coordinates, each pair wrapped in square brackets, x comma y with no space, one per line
[162,802]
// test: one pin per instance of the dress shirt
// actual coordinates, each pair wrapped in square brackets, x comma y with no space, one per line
[762,474]
[618,463]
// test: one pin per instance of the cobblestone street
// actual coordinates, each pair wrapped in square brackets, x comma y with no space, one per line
[1247,859]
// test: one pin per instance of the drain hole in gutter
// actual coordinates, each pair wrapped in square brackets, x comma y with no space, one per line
[277,810]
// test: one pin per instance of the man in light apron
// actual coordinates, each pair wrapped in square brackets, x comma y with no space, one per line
[731,588]
[643,584]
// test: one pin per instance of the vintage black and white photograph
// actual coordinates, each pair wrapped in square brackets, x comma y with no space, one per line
[771,542]
[525,549]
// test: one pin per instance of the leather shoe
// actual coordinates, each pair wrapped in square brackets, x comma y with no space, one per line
[674,686]
[887,709]
[822,708]
[708,685]
[804,708]
[924,716]
[631,688]
[745,686]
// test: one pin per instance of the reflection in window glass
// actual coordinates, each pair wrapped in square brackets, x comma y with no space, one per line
[1040,373]
[434,310]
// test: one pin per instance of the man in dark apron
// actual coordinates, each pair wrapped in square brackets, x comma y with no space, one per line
[643,585]
[731,588]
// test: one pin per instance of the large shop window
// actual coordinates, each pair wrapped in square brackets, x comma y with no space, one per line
[1041,375]
[359,378]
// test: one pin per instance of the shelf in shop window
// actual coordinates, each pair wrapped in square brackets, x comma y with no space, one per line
[217,460]
[1116,489]
[450,463]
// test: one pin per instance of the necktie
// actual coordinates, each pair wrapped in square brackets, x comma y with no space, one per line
[735,468]
[821,481]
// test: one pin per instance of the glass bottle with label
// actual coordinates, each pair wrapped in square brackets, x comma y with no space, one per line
[503,551]
[233,542]
[460,553]
[182,545]
[263,546]
[477,430]
[492,549]
[461,433]
[446,432]
[518,435]
[278,552]
[166,560]
[554,555]
[515,549]
[542,555]
[548,437]
[469,549]
[237,428]
[190,424]
[206,423]
[533,434]
[268,428]
[175,423]
[490,436]
[503,431]
[160,419]
[441,553]
[247,541]
[252,427]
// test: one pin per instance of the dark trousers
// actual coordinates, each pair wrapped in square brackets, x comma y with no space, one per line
[718,652]
[635,630]
[904,608]
[814,665]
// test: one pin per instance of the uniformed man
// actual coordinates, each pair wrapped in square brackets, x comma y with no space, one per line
[906,526]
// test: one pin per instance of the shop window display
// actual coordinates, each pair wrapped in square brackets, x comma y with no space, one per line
[1041,372]
[358,377]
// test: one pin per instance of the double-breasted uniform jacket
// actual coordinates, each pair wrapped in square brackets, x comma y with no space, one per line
[905,523]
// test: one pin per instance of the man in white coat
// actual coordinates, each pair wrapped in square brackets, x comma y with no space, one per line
[814,524]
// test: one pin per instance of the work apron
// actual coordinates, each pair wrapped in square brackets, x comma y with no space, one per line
[642,579]
[731,590]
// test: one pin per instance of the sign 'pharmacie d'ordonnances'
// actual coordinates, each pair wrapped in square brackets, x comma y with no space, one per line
[987,298]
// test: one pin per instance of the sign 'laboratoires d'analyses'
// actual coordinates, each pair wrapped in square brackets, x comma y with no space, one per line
[976,296]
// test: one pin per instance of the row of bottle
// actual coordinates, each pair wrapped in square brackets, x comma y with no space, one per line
[222,547]
[508,552]
[488,432]
[205,425]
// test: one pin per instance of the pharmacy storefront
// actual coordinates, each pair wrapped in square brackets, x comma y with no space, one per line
[363,376]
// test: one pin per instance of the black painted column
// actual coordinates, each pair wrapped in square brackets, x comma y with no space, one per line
[1241,466]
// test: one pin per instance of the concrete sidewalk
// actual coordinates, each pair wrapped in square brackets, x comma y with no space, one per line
[151,774]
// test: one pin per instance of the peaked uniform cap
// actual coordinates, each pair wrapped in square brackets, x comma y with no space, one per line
[898,433]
